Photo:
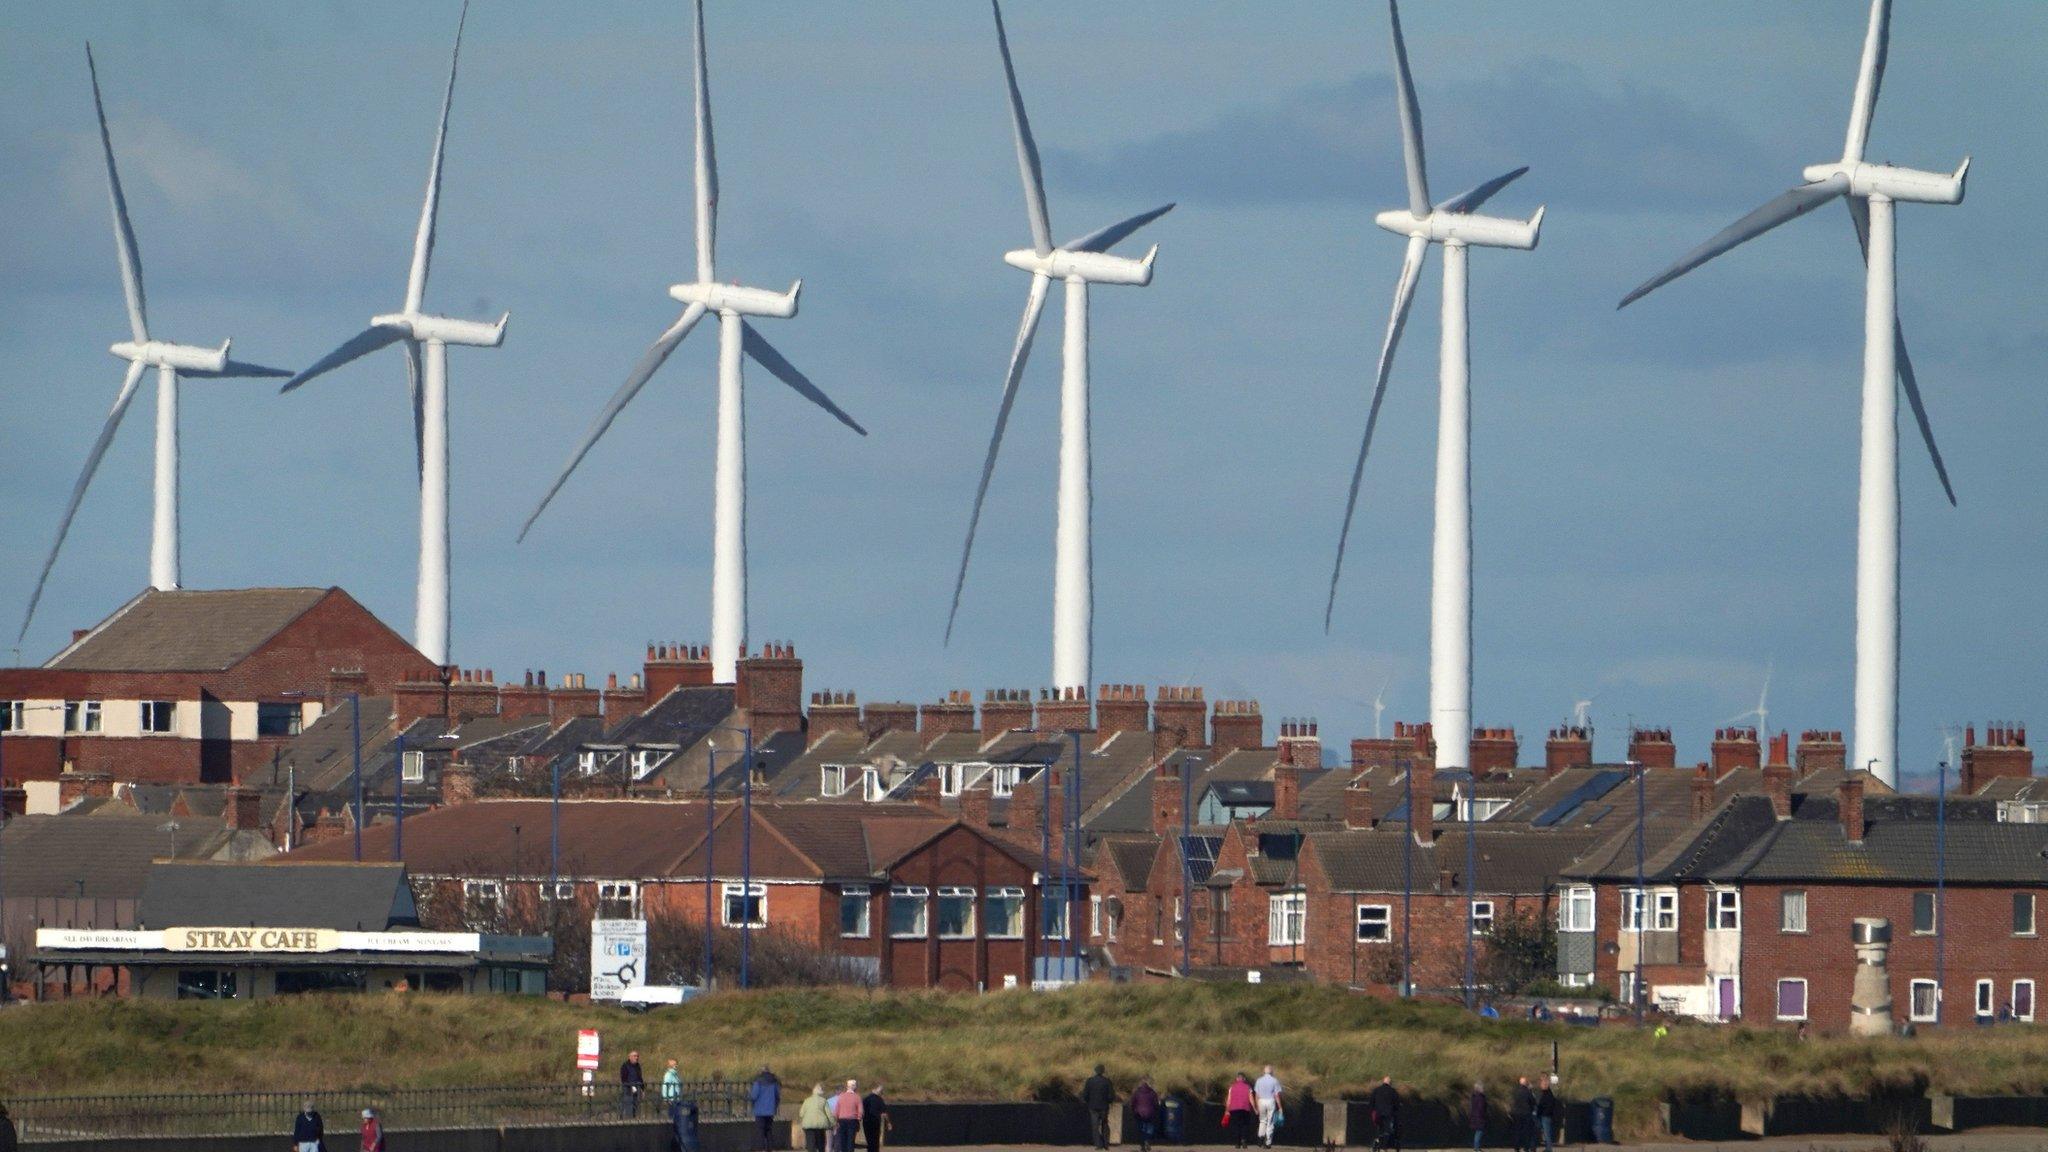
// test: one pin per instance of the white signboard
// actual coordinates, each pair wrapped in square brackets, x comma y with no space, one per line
[587,1049]
[252,940]
[618,957]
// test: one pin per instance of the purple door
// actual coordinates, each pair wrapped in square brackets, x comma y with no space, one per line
[1727,997]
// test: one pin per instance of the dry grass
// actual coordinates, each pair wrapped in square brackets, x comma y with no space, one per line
[1011,1045]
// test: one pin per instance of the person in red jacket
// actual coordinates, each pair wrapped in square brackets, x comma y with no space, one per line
[1237,1108]
[373,1132]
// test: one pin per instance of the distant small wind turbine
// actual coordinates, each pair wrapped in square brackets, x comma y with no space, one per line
[736,336]
[1582,711]
[170,361]
[1379,705]
[1762,711]
[417,329]
[1870,190]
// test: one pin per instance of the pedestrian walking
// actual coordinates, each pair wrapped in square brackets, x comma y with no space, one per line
[1266,1098]
[1549,1113]
[815,1118]
[1145,1110]
[1475,1114]
[1237,1109]
[1385,1101]
[1522,1114]
[308,1130]
[372,1138]
[9,1140]
[671,1083]
[632,1083]
[874,1118]
[1099,1095]
[764,1100]
[846,1109]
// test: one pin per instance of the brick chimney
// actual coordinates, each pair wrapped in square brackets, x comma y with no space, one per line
[671,666]
[529,698]
[1567,747]
[1286,791]
[418,699]
[1301,744]
[1179,719]
[458,784]
[1004,710]
[345,682]
[1820,751]
[1495,749]
[242,809]
[1064,710]
[623,703]
[1382,751]
[2003,754]
[1849,802]
[974,804]
[1028,811]
[1421,789]
[1778,780]
[1236,724]
[1166,799]
[832,712]
[473,692]
[570,699]
[1121,708]
[771,689]
[75,786]
[1702,791]
[1653,748]
[1418,743]
[897,716]
[13,802]
[1735,748]
[925,793]
[1358,811]
[953,714]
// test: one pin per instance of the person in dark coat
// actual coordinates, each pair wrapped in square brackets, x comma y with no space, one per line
[764,1100]
[1386,1114]
[1145,1110]
[632,1083]
[874,1117]
[1099,1095]
[9,1141]
[1522,1112]
[1475,1114]
[1549,1113]
[308,1130]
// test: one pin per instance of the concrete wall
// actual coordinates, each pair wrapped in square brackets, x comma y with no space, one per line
[615,1136]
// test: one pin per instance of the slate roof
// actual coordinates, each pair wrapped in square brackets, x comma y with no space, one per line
[1510,861]
[1134,857]
[361,897]
[187,630]
[1899,847]
[49,855]
[602,839]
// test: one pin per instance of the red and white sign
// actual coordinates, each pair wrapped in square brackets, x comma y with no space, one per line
[586,1049]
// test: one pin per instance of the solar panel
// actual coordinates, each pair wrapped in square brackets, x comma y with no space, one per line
[1596,786]
[1200,854]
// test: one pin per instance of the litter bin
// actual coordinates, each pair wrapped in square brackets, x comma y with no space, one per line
[1600,1119]
[1173,1117]
[682,1115]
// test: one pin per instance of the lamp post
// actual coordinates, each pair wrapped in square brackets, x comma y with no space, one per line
[355,736]
[747,904]
[1642,893]
[398,798]
[1471,889]
[1407,879]
[554,827]
[1940,887]
[1187,868]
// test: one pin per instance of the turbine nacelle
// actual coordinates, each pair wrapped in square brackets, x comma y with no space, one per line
[182,357]
[444,329]
[1093,267]
[1909,184]
[738,300]
[1464,228]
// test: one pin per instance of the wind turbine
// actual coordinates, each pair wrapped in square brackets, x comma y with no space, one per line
[1379,706]
[733,304]
[1871,190]
[1762,711]
[141,352]
[418,329]
[1454,223]
[1582,712]
[1078,263]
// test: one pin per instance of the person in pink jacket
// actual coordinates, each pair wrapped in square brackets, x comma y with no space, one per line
[1237,1106]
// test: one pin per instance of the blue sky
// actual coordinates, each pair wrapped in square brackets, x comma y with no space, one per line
[1665,497]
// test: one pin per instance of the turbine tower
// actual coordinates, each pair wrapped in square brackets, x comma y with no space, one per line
[733,304]
[1456,225]
[142,353]
[1077,263]
[429,382]
[1871,190]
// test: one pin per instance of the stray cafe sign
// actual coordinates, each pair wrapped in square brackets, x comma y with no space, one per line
[253,940]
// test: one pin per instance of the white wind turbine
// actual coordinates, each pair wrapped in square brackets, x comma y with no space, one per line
[733,304]
[141,352]
[1762,711]
[418,329]
[1078,263]
[1455,225]
[1870,190]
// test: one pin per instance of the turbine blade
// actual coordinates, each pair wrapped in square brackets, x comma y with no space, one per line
[1404,295]
[1859,213]
[1103,239]
[1471,199]
[414,374]
[124,232]
[236,369]
[1411,120]
[757,346]
[1027,148]
[1790,205]
[92,465]
[1869,77]
[361,344]
[636,380]
[1034,306]
[707,163]
[423,242]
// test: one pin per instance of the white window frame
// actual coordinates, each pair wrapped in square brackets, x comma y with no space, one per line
[909,892]
[1002,928]
[1287,919]
[586,763]
[1786,903]
[1725,915]
[950,776]
[867,913]
[755,893]
[2032,1004]
[614,891]
[413,769]
[1805,998]
[1577,910]
[1933,913]
[1180,919]
[1665,909]
[477,893]
[1058,908]
[1094,916]
[13,715]
[1373,924]
[1482,918]
[647,761]
[955,892]
[1987,999]
[2033,914]
[150,725]
[1486,808]
[1002,779]
[1913,1011]
[564,890]
[1626,987]
[1575,979]
[82,717]
[2022,812]
[294,724]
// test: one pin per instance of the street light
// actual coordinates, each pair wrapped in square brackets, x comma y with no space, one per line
[1187,867]
[1642,893]
[710,842]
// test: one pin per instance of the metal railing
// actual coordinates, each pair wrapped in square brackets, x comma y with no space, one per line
[41,1118]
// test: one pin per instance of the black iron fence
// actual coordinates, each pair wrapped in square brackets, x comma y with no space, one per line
[260,1113]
